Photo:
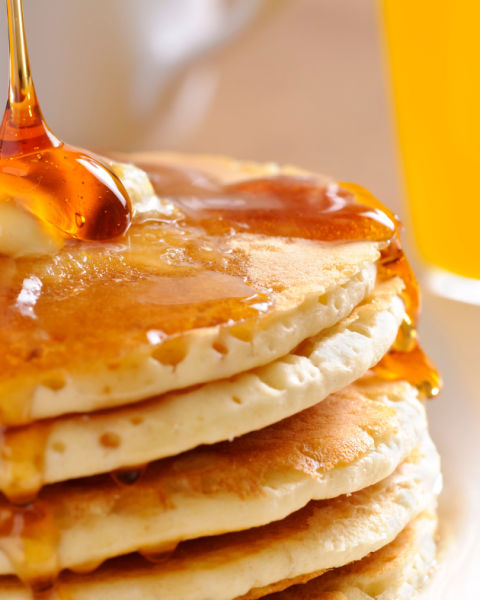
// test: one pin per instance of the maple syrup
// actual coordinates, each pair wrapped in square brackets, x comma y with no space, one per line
[29,538]
[406,360]
[60,184]
[128,477]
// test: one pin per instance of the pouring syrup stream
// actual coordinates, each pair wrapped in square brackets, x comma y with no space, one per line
[62,185]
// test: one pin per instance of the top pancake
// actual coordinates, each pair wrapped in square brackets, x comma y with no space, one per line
[171,304]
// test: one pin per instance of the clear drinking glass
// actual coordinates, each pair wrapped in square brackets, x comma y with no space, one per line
[434,52]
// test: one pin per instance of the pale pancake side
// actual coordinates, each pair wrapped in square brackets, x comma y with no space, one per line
[312,285]
[323,535]
[339,446]
[48,451]
[398,571]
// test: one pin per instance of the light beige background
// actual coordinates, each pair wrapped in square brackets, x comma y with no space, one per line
[307,87]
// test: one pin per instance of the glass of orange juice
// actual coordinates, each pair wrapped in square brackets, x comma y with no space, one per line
[434,50]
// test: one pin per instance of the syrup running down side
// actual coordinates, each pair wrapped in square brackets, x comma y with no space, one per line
[58,183]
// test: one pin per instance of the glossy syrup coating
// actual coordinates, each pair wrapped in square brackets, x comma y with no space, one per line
[97,303]
[172,271]
[62,185]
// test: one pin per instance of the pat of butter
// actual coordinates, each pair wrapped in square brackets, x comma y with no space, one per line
[22,234]
[136,182]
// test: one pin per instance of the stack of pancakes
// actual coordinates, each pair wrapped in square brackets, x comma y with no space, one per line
[230,457]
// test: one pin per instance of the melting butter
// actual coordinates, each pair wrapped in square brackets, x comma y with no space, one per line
[22,233]
[144,200]
[136,182]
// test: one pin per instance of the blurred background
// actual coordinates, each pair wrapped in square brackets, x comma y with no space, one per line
[296,81]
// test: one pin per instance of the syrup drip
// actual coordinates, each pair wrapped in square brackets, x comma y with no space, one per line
[29,538]
[159,555]
[23,450]
[58,183]
[128,477]
[406,361]
[52,594]
[29,535]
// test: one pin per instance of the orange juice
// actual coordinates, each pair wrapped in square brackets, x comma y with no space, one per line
[434,49]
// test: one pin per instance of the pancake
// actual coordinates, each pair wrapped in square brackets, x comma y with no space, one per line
[169,305]
[48,451]
[339,446]
[324,534]
[398,571]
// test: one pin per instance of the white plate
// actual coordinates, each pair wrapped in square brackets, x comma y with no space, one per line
[450,333]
